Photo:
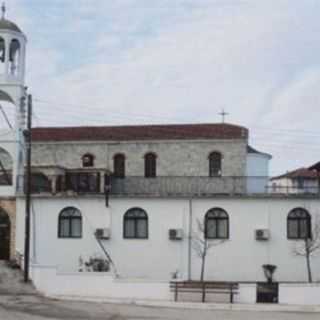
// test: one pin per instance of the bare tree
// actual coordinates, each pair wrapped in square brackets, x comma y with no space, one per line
[309,246]
[202,245]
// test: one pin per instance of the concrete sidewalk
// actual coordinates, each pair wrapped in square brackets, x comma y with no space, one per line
[200,306]
[11,282]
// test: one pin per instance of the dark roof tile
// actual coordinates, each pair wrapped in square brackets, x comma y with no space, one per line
[305,173]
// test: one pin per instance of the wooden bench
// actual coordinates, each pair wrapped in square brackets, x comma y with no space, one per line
[204,288]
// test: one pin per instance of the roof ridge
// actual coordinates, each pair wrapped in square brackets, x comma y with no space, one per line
[146,125]
[141,132]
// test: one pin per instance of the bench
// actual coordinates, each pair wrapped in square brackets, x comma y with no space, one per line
[204,288]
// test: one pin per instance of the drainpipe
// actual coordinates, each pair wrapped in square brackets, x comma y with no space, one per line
[190,239]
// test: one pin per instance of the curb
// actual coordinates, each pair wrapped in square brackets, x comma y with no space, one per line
[196,305]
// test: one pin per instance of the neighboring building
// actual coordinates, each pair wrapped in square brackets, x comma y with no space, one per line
[302,180]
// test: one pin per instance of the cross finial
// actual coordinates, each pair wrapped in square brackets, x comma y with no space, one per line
[223,114]
[3,10]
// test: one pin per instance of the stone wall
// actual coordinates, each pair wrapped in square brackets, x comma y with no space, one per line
[174,158]
[9,206]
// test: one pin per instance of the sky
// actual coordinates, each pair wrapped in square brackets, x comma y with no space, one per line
[103,62]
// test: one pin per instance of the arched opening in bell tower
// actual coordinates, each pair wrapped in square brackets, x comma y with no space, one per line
[6,167]
[2,56]
[8,112]
[14,57]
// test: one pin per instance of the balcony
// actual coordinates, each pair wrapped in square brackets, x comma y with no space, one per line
[183,186]
[96,182]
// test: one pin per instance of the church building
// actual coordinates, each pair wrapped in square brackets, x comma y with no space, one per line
[144,198]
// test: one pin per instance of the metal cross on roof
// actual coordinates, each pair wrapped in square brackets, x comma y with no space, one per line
[223,114]
[3,10]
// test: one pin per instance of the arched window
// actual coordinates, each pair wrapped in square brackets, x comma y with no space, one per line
[150,165]
[215,164]
[119,165]
[299,224]
[216,224]
[14,57]
[70,223]
[135,224]
[2,50]
[5,235]
[88,160]
[6,166]
[2,55]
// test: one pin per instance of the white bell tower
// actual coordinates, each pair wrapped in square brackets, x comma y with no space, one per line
[12,91]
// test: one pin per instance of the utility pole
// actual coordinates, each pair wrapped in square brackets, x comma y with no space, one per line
[28,139]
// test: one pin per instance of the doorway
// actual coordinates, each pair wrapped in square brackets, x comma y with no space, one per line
[4,235]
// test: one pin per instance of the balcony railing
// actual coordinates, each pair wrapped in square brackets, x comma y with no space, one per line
[97,183]
[178,185]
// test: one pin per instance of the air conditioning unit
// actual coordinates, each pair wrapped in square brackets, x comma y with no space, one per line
[262,234]
[175,234]
[103,234]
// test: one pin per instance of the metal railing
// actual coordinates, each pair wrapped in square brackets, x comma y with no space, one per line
[294,189]
[178,185]
[159,186]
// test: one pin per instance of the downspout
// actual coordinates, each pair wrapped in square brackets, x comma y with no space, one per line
[190,239]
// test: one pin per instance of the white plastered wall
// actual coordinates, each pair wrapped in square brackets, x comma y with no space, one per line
[239,258]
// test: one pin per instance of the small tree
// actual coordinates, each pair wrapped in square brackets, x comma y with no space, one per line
[202,245]
[309,246]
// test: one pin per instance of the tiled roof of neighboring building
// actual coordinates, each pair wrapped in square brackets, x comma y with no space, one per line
[141,132]
[305,173]
[315,166]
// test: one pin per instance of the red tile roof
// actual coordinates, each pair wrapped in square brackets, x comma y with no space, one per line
[316,167]
[141,132]
[305,173]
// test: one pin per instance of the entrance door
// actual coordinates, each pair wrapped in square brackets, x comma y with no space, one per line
[4,235]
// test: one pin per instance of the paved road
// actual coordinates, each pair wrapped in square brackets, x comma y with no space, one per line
[14,307]
[21,302]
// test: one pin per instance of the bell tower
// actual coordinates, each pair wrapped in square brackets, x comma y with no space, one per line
[13,93]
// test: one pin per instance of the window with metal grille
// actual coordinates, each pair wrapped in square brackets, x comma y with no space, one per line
[150,165]
[119,168]
[215,164]
[88,160]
